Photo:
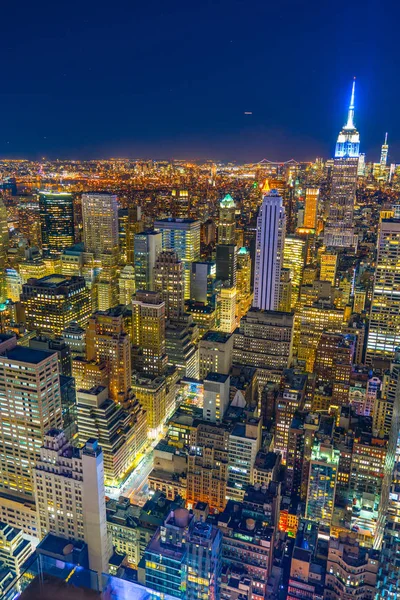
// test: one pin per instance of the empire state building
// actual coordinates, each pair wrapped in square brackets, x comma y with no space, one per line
[339,230]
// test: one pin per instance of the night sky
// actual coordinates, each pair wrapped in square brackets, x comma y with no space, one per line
[159,79]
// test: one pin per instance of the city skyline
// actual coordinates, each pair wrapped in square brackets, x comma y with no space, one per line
[169,82]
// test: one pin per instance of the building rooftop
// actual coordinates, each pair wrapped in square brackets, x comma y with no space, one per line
[216,336]
[217,377]
[27,355]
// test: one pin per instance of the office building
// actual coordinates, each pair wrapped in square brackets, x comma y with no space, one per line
[328,267]
[107,341]
[169,283]
[13,285]
[4,235]
[311,208]
[351,570]
[134,225]
[244,444]
[216,396]
[290,399]
[148,245]
[339,229]
[384,324]
[322,483]
[180,347]
[27,410]
[53,302]
[202,282]
[70,495]
[29,219]
[243,281]
[226,264]
[148,333]
[120,430]
[180,200]
[227,221]
[15,550]
[215,353]
[270,240]
[152,395]
[183,236]
[42,342]
[264,340]
[207,472]
[184,558]
[56,210]
[126,284]
[227,309]
[100,222]
[294,259]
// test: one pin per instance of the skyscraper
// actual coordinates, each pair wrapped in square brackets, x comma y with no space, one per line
[227,222]
[53,302]
[226,263]
[168,281]
[322,483]
[183,236]
[271,225]
[28,408]
[384,154]
[100,222]
[339,230]
[384,325]
[56,221]
[148,245]
[311,208]
[148,332]
[70,496]
[107,340]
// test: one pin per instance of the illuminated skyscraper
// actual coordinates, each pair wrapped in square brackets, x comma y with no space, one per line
[148,332]
[134,225]
[243,281]
[56,221]
[384,155]
[107,341]
[311,208]
[384,325]
[271,225]
[328,267]
[183,236]
[100,222]
[339,230]
[294,259]
[322,483]
[126,284]
[70,495]
[168,281]
[28,409]
[52,302]
[227,222]
[148,245]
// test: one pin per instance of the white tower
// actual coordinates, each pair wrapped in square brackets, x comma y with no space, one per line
[271,227]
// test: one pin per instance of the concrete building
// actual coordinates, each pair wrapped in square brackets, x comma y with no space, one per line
[148,245]
[215,353]
[169,283]
[216,397]
[70,495]
[27,410]
[100,222]
[53,302]
[121,431]
[148,333]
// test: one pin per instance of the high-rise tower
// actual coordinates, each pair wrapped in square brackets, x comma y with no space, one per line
[100,222]
[271,226]
[56,221]
[339,230]
[384,153]
[227,223]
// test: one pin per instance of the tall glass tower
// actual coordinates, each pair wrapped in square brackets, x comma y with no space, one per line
[339,230]
[56,222]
